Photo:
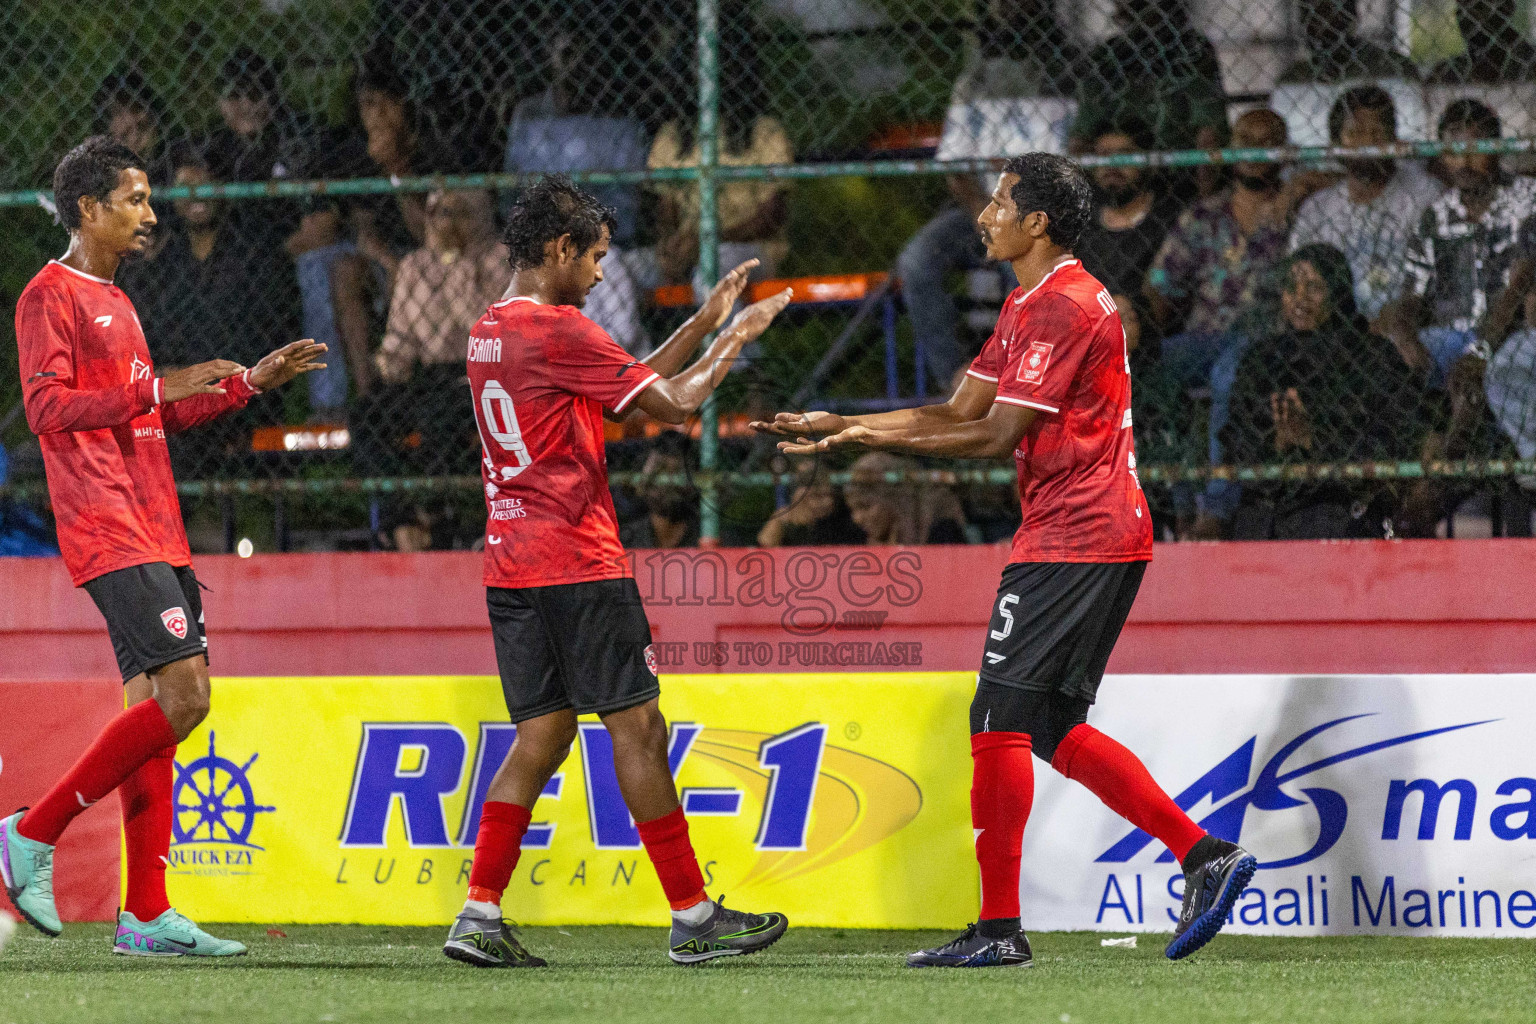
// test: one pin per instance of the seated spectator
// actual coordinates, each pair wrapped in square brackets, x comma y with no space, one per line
[1336,54]
[1160,68]
[671,516]
[212,291]
[580,123]
[1216,267]
[441,290]
[1321,388]
[258,138]
[816,516]
[1133,217]
[128,110]
[998,68]
[901,513]
[753,215]
[1497,49]
[1462,250]
[1369,215]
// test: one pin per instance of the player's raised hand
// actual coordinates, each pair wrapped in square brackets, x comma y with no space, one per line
[751,322]
[282,365]
[722,298]
[798,424]
[202,379]
[856,434]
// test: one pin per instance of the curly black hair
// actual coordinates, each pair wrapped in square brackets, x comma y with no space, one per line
[1056,187]
[90,169]
[547,209]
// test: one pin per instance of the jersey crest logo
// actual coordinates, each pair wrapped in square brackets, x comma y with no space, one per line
[175,620]
[138,369]
[105,321]
[1035,362]
[650,658]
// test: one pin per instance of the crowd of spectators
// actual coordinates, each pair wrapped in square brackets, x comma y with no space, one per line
[1370,309]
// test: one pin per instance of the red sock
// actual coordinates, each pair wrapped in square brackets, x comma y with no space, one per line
[1117,777]
[147,810]
[666,842]
[1002,792]
[129,740]
[497,847]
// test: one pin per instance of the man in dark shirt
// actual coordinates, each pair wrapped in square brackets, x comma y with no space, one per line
[1132,215]
[212,290]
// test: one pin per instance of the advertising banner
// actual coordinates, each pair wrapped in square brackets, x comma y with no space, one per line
[1376,805]
[840,800]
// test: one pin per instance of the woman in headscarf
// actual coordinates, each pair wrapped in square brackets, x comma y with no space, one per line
[1321,388]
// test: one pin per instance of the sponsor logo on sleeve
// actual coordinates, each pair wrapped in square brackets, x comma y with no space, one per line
[1035,362]
[175,620]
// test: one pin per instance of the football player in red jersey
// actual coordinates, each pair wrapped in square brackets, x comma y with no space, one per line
[1051,386]
[101,416]
[570,632]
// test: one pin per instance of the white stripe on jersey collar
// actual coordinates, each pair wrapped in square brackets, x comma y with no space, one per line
[1064,263]
[515,298]
[81,273]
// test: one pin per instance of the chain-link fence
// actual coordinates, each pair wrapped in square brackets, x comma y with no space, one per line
[1311,217]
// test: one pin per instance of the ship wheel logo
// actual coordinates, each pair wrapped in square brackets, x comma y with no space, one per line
[214,802]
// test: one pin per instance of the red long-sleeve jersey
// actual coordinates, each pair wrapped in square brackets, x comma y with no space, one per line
[93,400]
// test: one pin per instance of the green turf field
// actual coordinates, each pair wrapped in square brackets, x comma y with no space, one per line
[346,974]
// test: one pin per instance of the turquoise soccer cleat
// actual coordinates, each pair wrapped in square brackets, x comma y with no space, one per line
[26,867]
[170,934]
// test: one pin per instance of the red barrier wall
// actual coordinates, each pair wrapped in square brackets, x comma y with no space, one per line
[1369,606]
[1358,607]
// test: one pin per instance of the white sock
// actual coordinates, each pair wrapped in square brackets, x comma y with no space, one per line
[482,908]
[695,915]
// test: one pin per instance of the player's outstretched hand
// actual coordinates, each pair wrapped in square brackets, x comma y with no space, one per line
[856,434]
[282,365]
[754,320]
[202,379]
[798,424]
[722,298]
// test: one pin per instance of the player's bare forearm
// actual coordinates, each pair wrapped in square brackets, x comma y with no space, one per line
[993,436]
[674,399]
[673,354]
[970,401]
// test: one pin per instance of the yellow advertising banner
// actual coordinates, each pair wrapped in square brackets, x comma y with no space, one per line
[840,800]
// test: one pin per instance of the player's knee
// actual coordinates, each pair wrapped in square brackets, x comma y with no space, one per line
[641,726]
[184,694]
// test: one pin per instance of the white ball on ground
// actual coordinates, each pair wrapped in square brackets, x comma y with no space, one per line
[7,929]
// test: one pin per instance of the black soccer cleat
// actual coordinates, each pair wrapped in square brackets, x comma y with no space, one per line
[972,949]
[726,933]
[487,942]
[1210,890]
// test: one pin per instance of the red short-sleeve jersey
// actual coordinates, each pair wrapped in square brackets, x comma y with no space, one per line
[92,397]
[541,377]
[1059,348]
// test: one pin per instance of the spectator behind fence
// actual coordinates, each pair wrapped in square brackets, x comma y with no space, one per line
[1336,54]
[1133,215]
[1462,250]
[753,215]
[128,110]
[1497,49]
[212,290]
[901,513]
[423,409]
[1215,266]
[816,515]
[442,288]
[583,122]
[1019,54]
[1159,67]
[1369,215]
[1319,387]
[670,516]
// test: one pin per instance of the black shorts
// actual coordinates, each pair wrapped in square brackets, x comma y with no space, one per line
[579,646]
[154,615]
[1055,624]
